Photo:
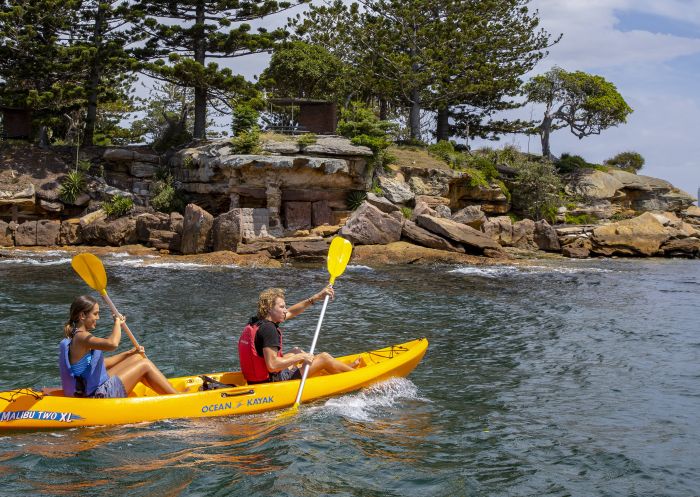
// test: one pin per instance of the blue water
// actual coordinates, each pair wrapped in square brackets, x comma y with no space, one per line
[560,378]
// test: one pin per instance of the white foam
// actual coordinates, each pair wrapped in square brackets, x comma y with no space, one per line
[359,267]
[366,404]
[498,271]
[36,262]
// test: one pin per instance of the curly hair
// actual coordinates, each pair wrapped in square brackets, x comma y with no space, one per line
[266,301]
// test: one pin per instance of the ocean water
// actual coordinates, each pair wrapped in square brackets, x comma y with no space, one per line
[561,378]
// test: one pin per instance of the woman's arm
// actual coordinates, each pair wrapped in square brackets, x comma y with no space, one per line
[115,359]
[300,307]
[109,343]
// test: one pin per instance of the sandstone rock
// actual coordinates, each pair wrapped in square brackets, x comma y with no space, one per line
[26,234]
[51,206]
[443,211]
[325,231]
[21,195]
[91,217]
[575,252]
[176,222]
[147,222]
[425,238]
[432,200]
[395,191]
[471,215]
[692,211]
[642,235]
[524,234]
[47,232]
[125,155]
[70,232]
[6,238]
[545,237]
[164,240]
[491,198]
[593,184]
[286,147]
[142,169]
[271,249]
[682,247]
[240,225]
[82,199]
[499,229]
[336,145]
[423,208]
[309,249]
[497,254]
[457,232]
[321,213]
[341,217]
[196,230]
[429,181]
[370,226]
[48,191]
[297,215]
[121,231]
[667,218]
[382,203]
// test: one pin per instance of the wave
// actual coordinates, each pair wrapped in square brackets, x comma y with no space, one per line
[371,401]
[359,268]
[500,271]
[36,262]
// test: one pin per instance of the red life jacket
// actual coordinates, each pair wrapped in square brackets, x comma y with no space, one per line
[252,364]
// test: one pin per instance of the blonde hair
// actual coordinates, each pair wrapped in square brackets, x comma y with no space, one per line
[81,304]
[266,301]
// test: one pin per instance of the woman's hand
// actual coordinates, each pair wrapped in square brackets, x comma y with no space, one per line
[327,290]
[119,317]
[138,350]
[306,358]
[297,350]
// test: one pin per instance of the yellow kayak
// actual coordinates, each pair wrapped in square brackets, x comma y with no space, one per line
[26,408]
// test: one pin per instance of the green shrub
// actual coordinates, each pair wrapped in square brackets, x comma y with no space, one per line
[245,119]
[355,199]
[485,165]
[476,177]
[164,196]
[358,119]
[407,212]
[247,142]
[627,161]
[306,139]
[118,206]
[580,219]
[84,165]
[72,186]
[376,189]
[445,151]
[569,163]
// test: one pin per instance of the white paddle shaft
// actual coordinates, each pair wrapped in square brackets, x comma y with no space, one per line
[313,346]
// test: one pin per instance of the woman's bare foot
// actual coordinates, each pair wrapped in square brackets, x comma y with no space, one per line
[358,363]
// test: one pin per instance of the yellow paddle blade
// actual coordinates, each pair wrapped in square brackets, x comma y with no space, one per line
[338,257]
[91,270]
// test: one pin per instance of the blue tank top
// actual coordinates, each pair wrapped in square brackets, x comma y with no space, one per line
[82,366]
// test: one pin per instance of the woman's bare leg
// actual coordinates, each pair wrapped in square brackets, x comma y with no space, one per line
[131,371]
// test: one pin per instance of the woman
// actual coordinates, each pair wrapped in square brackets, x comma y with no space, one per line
[84,370]
[260,346]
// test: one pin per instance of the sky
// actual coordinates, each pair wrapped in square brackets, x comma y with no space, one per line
[649,49]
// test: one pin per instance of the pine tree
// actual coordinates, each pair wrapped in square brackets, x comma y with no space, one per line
[181,36]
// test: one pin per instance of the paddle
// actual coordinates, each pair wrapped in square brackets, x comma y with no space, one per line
[338,257]
[91,270]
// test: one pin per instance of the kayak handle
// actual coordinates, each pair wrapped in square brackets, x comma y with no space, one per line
[237,394]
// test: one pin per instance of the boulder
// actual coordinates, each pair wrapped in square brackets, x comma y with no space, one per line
[49,191]
[148,222]
[593,184]
[545,237]
[643,235]
[370,226]
[164,240]
[6,238]
[275,250]
[91,217]
[471,215]
[70,232]
[142,169]
[240,225]
[196,230]
[21,195]
[414,233]
[25,235]
[47,232]
[176,222]
[51,206]
[309,249]
[499,229]
[460,233]
[682,247]
[297,215]
[382,203]
[423,208]
[120,231]
[126,155]
[443,211]
[395,191]
[433,200]
[524,234]
[321,213]
[336,145]
[575,252]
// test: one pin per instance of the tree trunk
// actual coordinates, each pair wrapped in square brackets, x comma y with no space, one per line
[545,129]
[94,78]
[442,131]
[200,92]
[383,109]
[414,115]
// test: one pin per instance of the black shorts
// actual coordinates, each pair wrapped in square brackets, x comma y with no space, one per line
[286,374]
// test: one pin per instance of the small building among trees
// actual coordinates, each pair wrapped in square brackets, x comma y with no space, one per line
[314,116]
[16,123]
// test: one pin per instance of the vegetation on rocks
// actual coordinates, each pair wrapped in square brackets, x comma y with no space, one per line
[629,161]
[118,206]
[72,186]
